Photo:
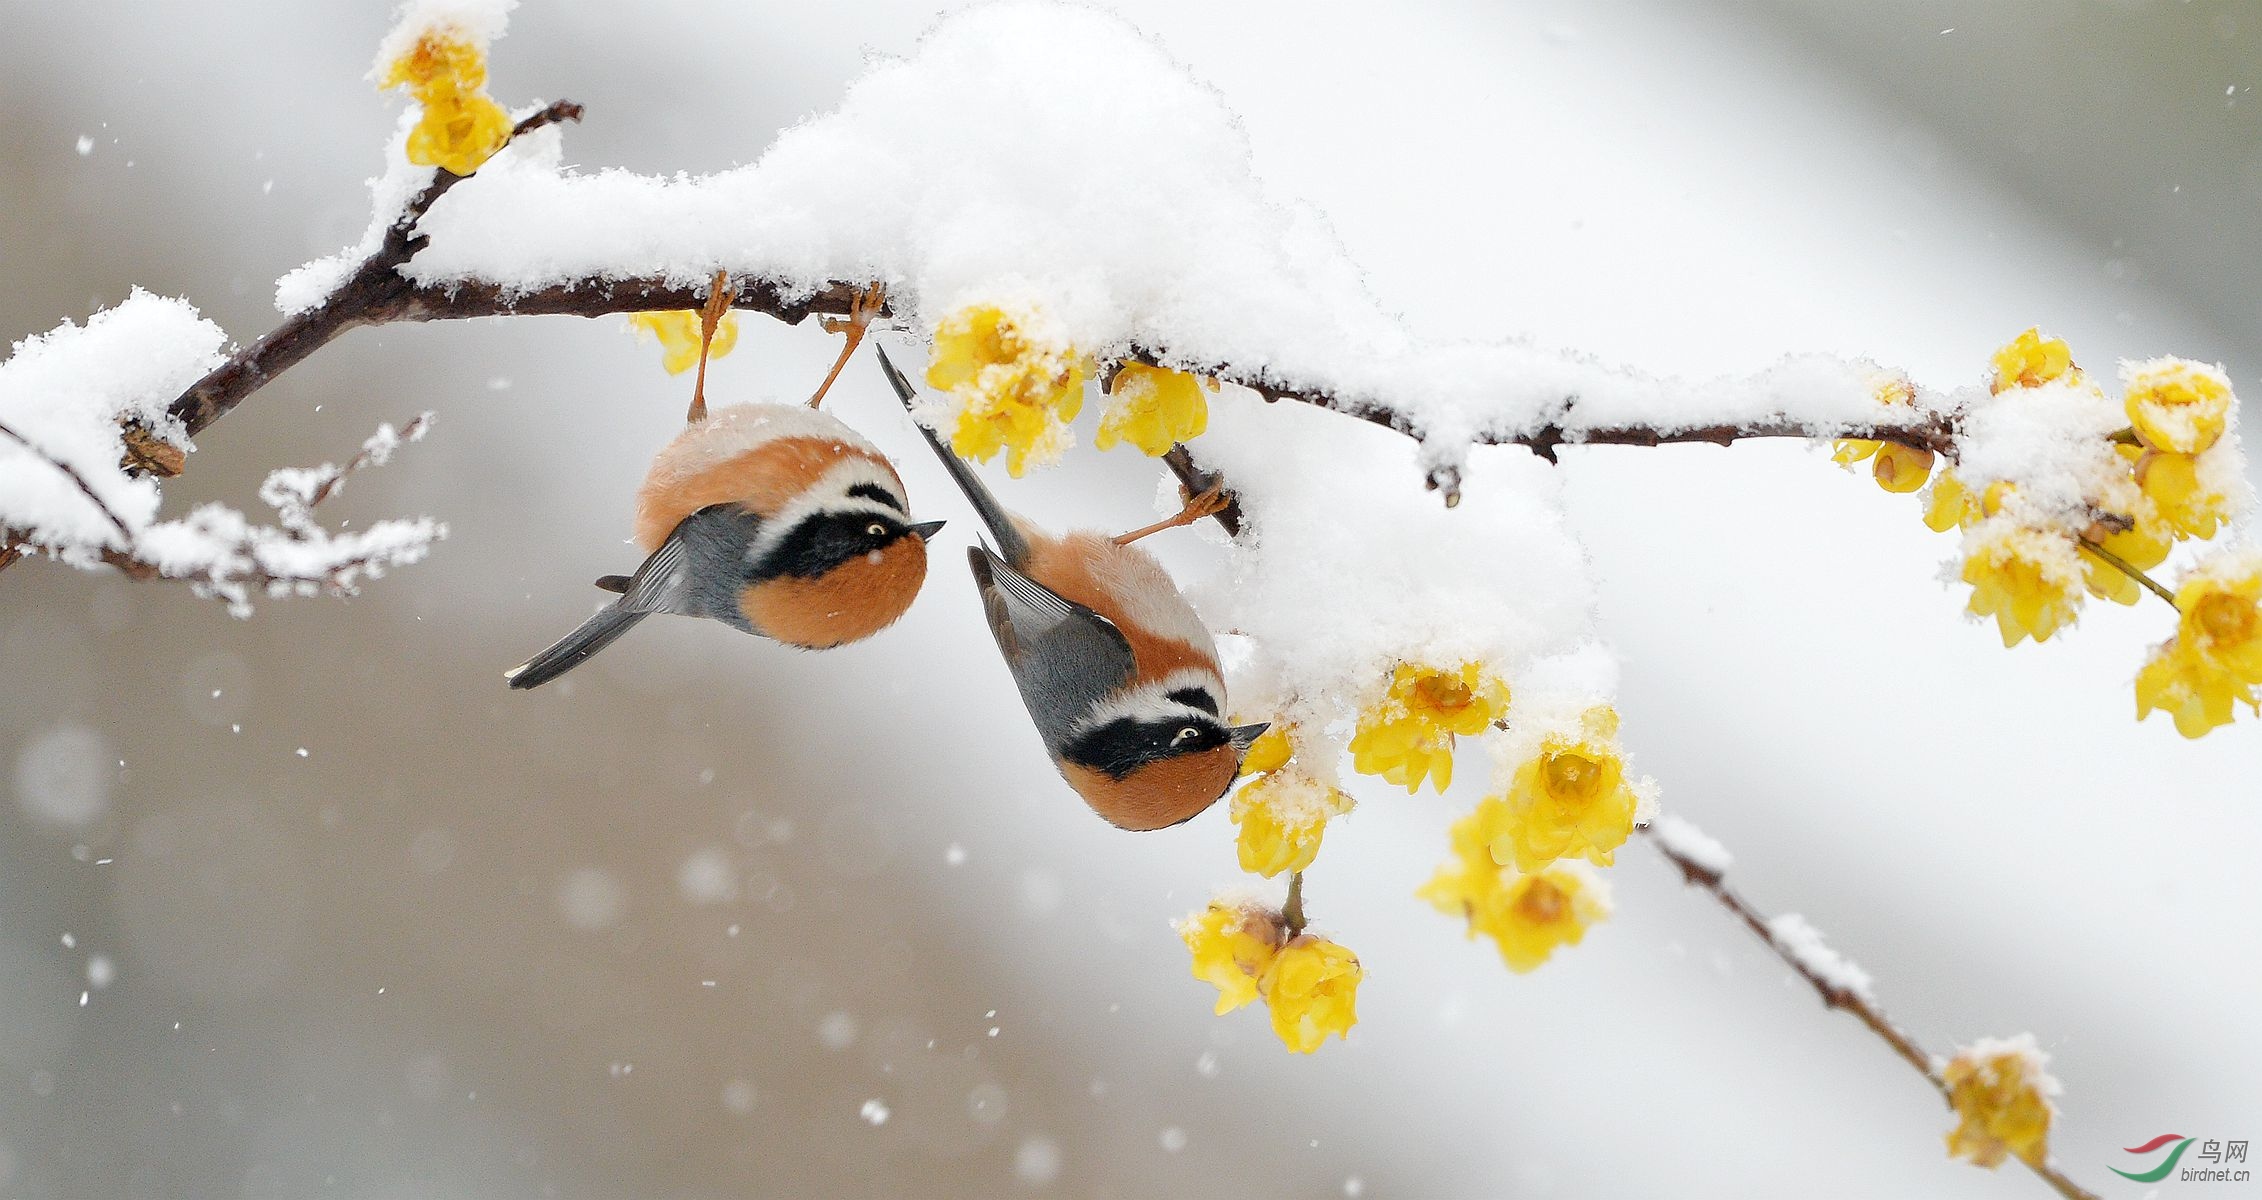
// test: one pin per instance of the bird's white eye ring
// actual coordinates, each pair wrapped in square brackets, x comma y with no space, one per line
[1183,734]
[876,529]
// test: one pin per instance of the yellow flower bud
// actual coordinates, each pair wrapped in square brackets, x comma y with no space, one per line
[1154,410]
[1281,818]
[1949,505]
[1570,800]
[1901,468]
[2029,580]
[1408,735]
[1312,987]
[2177,405]
[1232,946]
[2031,360]
[678,335]
[2001,1095]
[1018,384]
[2172,482]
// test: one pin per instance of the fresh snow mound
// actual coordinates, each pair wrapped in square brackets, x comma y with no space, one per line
[66,392]
[1055,153]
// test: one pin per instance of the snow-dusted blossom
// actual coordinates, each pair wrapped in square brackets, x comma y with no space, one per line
[678,335]
[2032,360]
[1232,945]
[1896,468]
[2175,404]
[1281,817]
[1282,812]
[461,125]
[2001,1092]
[1270,752]
[1901,468]
[1312,987]
[2215,659]
[1154,409]
[1569,799]
[1527,916]
[2144,544]
[1408,734]
[2029,580]
[1950,505]
[2190,503]
[1017,381]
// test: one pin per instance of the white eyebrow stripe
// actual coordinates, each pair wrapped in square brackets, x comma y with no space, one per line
[1152,702]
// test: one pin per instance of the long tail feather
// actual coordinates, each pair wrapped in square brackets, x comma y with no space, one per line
[573,649]
[1010,544]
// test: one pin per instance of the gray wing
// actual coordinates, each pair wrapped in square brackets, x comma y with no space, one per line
[700,569]
[1064,656]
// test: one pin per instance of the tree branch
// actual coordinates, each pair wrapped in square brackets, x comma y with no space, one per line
[375,293]
[125,535]
[1705,877]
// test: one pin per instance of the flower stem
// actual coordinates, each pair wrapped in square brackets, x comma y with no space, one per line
[1293,911]
[2127,568]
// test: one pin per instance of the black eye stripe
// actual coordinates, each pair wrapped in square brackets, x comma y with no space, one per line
[1124,745]
[1193,697]
[880,495]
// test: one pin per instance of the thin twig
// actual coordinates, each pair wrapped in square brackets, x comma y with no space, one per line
[125,535]
[368,456]
[2129,569]
[1700,875]
[1292,910]
[375,293]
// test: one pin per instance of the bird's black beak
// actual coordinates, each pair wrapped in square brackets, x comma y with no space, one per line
[1246,735]
[928,530]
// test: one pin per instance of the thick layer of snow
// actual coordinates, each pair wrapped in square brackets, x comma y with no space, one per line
[999,161]
[1346,567]
[67,391]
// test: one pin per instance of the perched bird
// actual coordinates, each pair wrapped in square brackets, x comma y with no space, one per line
[777,520]
[1119,675]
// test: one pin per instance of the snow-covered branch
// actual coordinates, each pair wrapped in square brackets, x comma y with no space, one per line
[1703,864]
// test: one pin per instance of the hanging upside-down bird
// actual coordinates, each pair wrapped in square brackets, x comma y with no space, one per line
[775,519]
[1119,675]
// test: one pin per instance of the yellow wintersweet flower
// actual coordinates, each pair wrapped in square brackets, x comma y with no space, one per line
[1570,800]
[2175,404]
[1901,468]
[1232,945]
[2172,482]
[1281,818]
[2031,360]
[2215,659]
[1270,752]
[1312,987]
[2001,1095]
[2144,547]
[1528,917]
[2029,580]
[460,126]
[1154,409]
[1542,912]
[678,334]
[1018,386]
[1408,734]
[1848,451]
[1950,504]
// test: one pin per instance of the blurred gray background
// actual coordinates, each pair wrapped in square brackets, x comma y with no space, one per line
[369,925]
